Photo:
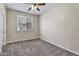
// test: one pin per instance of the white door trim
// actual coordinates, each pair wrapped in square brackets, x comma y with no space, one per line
[1,31]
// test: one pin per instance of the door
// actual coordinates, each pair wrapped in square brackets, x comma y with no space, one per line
[1,31]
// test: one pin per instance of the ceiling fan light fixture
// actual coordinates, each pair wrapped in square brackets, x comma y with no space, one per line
[36,7]
[33,7]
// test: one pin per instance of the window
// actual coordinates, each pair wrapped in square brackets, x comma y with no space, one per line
[24,23]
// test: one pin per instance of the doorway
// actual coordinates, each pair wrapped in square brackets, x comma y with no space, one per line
[1,31]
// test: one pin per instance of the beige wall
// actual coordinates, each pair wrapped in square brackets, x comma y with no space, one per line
[13,35]
[3,11]
[60,26]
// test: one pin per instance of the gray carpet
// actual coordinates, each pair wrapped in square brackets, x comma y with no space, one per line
[35,47]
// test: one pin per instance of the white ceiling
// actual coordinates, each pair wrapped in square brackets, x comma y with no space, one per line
[24,6]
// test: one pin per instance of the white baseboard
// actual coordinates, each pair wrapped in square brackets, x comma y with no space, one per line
[21,40]
[60,46]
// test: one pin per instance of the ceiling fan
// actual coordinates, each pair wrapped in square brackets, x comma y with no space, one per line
[35,6]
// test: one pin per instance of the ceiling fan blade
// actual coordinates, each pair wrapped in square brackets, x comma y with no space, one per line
[41,4]
[29,9]
[38,9]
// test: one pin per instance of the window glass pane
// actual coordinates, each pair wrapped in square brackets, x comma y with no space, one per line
[21,23]
[29,24]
